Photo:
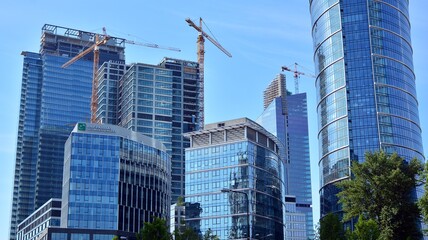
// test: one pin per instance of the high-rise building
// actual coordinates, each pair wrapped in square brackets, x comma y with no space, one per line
[114,179]
[159,101]
[108,89]
[286,116]
[234,181]
[365,86]
[53,99]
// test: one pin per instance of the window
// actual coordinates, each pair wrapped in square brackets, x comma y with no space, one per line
[79,236]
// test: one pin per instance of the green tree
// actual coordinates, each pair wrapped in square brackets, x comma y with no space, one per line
[156,230]
[190,234]
[186,234]
[382,189]
[180,201]
[364,230]
[209,235]
[116,238]
[423,202]
[330,228]
[317,231]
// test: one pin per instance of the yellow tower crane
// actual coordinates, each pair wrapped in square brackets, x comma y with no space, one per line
[201,55]
[96,49]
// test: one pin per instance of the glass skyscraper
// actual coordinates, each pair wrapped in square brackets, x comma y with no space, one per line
[159,101]
[114,179]
[286,116]
[234,181]
[53,99]
[365,86]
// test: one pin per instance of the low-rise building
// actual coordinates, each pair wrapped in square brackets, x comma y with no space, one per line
[49,214]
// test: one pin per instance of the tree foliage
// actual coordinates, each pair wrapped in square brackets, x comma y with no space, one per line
[317,229]
[331,228]
[180,201]
[383,189]
[186,234]
[190,234]
[209,235]
[364,230]
[423,201]
[156,230]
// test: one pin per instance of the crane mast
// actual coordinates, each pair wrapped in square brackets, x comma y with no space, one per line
[201,62]
[201,59]
[94,102]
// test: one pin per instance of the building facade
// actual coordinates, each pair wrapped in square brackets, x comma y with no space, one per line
[160,101]
[286,117]
[108,90]
[48,215]
[365,86]
[53,99]
[56,233]
[177,218]
[234,181]
[114,179]
[295,220]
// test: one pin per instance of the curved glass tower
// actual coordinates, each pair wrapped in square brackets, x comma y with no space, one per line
[365,86]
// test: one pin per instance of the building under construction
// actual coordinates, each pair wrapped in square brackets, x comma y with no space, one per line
[277,88]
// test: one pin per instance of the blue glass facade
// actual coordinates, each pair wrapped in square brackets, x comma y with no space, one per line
[114,179]
[291,128]
[91,181]
[108,89]
[243,158]
[160,101]
[53,99]
[295,221]
[365,86]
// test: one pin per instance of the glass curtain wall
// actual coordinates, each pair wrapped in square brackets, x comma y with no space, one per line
[365,86]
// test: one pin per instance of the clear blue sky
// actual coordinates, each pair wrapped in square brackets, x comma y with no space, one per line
[261,35]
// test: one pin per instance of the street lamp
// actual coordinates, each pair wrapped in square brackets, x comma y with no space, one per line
[227,190]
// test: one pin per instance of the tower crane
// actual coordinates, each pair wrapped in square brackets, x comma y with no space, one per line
[296,76]
[96,49]
[201,55]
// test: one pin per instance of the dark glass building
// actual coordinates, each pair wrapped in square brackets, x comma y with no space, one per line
[286,116]
[234,181]
[114,179]
[365,86]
